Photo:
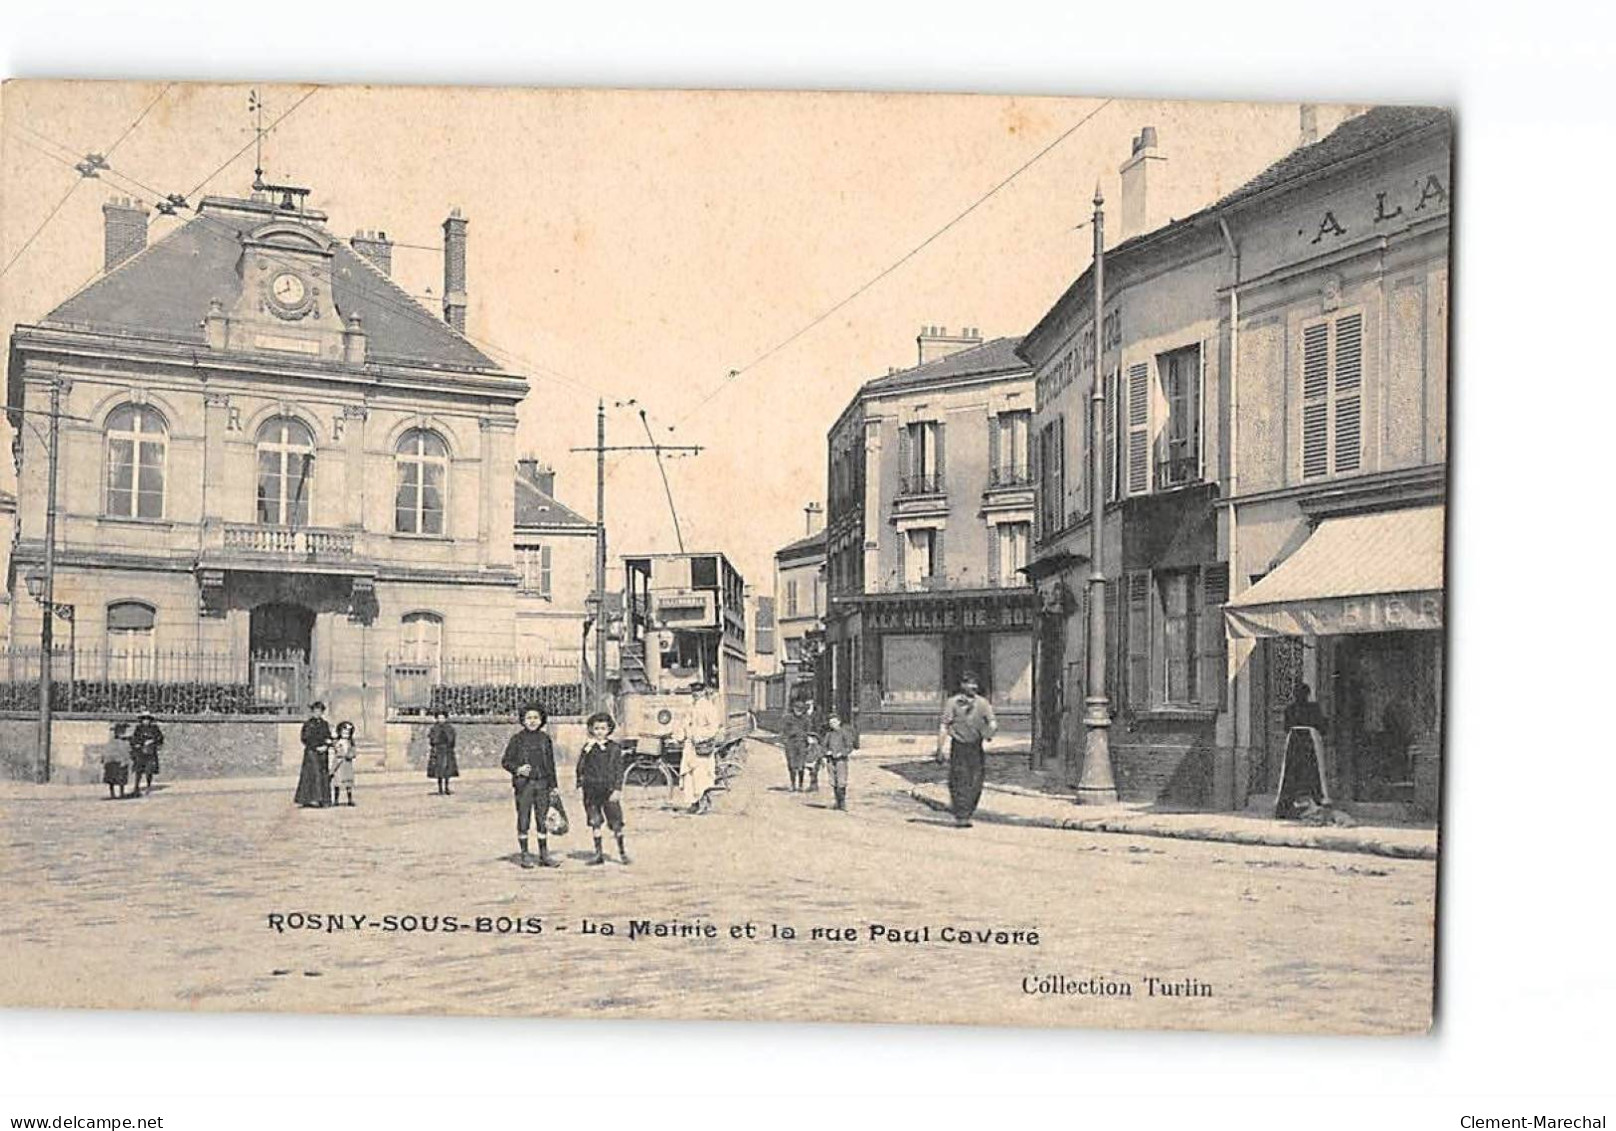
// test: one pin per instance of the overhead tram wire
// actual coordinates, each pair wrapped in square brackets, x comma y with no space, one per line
[733,374]
[405,308]
[82,177]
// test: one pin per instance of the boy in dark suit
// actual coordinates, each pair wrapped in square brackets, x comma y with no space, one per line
[600,776]
[530,760]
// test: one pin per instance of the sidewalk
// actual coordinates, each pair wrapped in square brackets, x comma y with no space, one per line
[1015,804]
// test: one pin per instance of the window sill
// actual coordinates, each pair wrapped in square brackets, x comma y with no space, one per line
[404,536]
[125,520]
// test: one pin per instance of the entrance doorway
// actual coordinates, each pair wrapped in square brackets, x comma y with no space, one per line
[280,637]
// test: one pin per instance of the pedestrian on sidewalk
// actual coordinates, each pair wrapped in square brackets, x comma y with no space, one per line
[530,760]
[313,789]
[698,758]
[794,734]
[600,778]
[838,747]
[342,761]
[441,763]
[115,761]
[144,743]
[968,724]
[1301,782]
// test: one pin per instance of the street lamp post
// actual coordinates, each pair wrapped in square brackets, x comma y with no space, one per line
[46,594]
[1097,785]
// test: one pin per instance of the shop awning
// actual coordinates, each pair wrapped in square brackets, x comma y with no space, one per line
[1358,573]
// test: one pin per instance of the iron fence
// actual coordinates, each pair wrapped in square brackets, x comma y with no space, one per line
[484,686]
[123,681]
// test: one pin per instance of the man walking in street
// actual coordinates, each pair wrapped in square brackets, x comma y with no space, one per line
[968,722]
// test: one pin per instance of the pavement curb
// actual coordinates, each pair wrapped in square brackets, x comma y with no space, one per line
[1276,838]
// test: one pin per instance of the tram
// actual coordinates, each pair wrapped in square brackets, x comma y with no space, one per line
[683,628]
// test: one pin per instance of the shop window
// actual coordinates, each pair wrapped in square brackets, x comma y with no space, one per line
[1332,396]
[1174,637]
[911,670]
[420,501]
[137,456]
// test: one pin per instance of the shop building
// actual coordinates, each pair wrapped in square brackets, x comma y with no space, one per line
[928,531]
[1337,471]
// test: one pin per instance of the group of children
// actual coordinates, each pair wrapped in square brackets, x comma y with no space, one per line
[132,750]
[530,760]
[808,748]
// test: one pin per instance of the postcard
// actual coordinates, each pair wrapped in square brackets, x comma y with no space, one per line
[755,555]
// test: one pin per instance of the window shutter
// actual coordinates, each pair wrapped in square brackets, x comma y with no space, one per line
[544,572]
[995,424]
[903,559]
[996,537]
[1138,428]
[1315,400]
[1138,682]
[1058,511]
[937,471]
[939,568]
[1041,489]
[905,459]
[1200,423]
[1348,390]
[1213,645]
[1113,638]
[1109,427]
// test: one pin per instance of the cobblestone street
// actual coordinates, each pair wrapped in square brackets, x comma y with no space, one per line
[165,903]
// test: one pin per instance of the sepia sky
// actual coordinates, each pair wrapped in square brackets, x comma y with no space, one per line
[642,244]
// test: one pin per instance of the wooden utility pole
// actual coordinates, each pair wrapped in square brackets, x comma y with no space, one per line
[600,449]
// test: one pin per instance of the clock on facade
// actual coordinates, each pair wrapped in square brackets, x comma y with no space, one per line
[289,295]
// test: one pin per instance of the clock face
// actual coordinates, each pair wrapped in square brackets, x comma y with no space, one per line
[288,289]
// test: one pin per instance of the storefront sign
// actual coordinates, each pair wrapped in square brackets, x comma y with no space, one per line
[1424,196]
[1337,616]
[943,617]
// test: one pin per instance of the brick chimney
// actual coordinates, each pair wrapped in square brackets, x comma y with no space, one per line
[454,270]
[1142,193]
[936,341]
[376,247]
[540,475]
[125,229]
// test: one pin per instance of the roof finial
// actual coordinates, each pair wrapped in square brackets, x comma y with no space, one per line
[255,105]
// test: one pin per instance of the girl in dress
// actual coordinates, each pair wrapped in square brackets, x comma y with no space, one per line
[441,763]
[342,762]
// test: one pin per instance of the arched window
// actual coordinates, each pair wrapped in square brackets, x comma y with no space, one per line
[137,454]
[131,629]
[422,639]
[423,474]
[285,472]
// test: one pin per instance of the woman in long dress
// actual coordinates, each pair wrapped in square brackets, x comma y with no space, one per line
[313,785]
[698,761]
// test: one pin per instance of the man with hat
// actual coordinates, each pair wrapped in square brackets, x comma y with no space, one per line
[968,722]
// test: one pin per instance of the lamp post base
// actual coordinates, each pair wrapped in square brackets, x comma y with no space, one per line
[1096,785]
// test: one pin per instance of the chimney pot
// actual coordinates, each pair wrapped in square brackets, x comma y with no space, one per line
[124,230]
[375,247]
[454,270]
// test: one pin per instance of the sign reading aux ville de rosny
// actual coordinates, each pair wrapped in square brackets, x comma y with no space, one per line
[941,617]
[1399,204]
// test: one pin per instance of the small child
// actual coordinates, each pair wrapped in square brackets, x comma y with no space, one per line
[600,777]
[144,743]
[838,747]
[530,760]
[115,761]
[342,762]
